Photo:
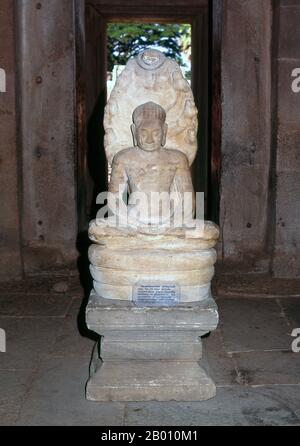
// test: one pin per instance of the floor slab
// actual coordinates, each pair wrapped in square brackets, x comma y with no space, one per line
[14,386]
[34,305]
[27,340]
[253,324]
[57,397]
[291,308]
[233,406]
[277,367]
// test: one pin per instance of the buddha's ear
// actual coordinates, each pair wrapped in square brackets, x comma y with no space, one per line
[133,131]
[164,136]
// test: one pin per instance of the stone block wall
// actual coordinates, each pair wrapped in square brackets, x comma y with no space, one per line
[46,67]
[246,131]
[286,260]
[10,249]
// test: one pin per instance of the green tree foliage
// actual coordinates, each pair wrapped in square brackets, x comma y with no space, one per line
[126,40]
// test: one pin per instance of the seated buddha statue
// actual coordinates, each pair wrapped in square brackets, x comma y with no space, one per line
[157,180]
[151,234]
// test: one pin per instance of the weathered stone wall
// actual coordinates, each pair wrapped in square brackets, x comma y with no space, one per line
[10,256]
[260,178]
[246,131]
[286,262]
[46,57]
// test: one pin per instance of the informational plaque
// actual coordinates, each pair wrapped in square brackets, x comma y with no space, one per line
[156,294]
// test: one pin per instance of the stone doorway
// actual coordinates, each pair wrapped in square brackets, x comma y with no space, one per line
[91,24]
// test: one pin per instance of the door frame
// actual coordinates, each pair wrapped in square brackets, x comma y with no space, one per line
[206,19]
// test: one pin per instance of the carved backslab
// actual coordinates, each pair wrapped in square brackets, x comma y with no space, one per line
[151,77]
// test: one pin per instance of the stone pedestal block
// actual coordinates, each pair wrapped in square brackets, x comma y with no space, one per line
[149,353]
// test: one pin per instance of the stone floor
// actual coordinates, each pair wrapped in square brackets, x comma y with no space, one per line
[44,371]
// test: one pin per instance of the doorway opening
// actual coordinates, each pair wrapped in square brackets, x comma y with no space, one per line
[100,33]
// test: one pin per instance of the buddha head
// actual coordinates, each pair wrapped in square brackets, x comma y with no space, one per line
[149,129]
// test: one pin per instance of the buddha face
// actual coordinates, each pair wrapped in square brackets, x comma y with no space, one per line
[150,135]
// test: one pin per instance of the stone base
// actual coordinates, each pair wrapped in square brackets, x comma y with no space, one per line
[146,381]
[121,259]
[149,353]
